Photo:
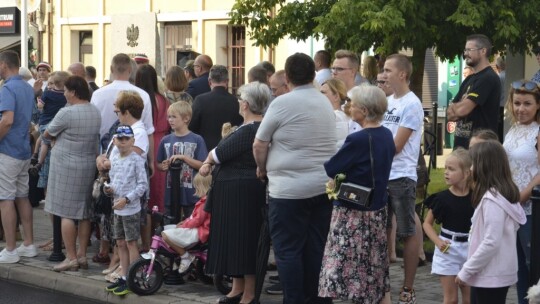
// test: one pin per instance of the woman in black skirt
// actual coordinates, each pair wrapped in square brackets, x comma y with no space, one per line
[236,199]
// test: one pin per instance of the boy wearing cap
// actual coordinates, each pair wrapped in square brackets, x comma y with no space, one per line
[128,184]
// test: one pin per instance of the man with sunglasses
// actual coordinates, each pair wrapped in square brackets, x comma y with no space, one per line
[476,106]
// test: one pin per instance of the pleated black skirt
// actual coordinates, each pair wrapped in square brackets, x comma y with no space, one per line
[235,224]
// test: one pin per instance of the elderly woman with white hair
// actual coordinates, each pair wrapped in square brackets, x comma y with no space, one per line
[355,263]
[237,198]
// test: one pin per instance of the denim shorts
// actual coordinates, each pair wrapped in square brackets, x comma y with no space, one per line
[127,227]
[402,200]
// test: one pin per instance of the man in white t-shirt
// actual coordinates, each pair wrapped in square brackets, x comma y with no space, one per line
[322,66]
[404,118]
[105,98]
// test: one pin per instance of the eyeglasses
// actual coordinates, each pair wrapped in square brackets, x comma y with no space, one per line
[116,112]
[468,50]
[528,85]
[339,69]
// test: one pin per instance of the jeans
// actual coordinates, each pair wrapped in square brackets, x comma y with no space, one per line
[480,295]
[298,228]
[524,259]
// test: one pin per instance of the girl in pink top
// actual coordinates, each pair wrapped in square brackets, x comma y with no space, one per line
[197,224]
[491,265]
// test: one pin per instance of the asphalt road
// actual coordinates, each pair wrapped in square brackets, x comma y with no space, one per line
[14,293]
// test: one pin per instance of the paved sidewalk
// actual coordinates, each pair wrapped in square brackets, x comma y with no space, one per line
[90,283]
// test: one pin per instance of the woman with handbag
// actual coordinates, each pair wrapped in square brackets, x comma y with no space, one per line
[355,256]
[72,169]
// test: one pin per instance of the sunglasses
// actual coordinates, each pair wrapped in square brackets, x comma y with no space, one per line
[528,85]
[124,131]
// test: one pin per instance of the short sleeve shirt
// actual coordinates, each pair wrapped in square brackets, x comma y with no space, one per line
[452,211]
[484,89]
[405,112]
[191,145]
[301,129]
[17,96]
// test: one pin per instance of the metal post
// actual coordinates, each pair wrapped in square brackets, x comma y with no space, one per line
[175,169]
[436,134]
[57,255]
[534,273]
[24,33]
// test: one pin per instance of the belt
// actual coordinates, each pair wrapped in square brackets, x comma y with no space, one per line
[455,238]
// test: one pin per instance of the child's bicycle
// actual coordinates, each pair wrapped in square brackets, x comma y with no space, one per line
[146,275]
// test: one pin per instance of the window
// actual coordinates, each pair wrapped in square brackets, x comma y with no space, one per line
[237,56]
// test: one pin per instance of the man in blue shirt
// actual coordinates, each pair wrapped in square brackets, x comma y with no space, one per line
[16,102]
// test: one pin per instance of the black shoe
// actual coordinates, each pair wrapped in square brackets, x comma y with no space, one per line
[232,300]
[275,289]
[274,279]
[115,285]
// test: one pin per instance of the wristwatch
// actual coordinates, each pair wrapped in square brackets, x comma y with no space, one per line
[127,200]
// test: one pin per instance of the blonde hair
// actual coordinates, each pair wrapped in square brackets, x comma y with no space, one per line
[202,184]
[337,87]
[59,78]
[182,108]
[465,162]
[227,129]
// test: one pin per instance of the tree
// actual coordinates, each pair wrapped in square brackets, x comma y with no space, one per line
[391,25]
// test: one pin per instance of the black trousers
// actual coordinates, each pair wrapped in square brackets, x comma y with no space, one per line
[480,295]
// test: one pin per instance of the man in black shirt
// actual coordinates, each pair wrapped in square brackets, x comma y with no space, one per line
[476,106]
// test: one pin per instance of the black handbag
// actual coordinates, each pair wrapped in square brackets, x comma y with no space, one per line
[355,194]
[103,203]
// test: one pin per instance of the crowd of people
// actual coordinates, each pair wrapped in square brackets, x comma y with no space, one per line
[303,137]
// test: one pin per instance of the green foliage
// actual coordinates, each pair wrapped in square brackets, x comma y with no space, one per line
[390,25]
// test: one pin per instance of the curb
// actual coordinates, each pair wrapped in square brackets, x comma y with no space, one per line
[79,286]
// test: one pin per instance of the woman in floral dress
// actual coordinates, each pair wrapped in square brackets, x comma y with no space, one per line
[355,262]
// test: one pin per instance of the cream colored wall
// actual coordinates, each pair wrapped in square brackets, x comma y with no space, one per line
[210,47]
[125,7]
[210,5]
[173,6]
[531,66]
[107,53]
[80,8]
[70,48]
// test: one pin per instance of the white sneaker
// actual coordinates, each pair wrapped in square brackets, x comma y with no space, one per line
[7,257]
[29,251]
[185,263]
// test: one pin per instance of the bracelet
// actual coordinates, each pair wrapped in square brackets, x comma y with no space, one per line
[207,163]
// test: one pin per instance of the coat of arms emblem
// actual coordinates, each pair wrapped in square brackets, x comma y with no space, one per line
[132,35]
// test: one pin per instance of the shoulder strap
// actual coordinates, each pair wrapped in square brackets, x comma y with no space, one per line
[372,162]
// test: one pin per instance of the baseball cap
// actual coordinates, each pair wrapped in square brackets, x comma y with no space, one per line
[124,131]
[44,65]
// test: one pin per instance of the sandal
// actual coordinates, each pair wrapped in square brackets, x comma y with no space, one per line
[46,244]
[99,258]
[110,269]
